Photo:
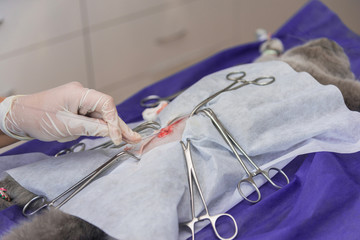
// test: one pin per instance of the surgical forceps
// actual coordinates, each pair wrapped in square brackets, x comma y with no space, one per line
[236,77]
[233,144]
[193,178]
[79,147]
[154,100]
[72,191]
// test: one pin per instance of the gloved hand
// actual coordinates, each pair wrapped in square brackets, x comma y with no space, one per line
[63,114]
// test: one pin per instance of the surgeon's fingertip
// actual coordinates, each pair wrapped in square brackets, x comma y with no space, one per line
[115,135]
[116,140]
[136,137]
[132,137]
[128,134]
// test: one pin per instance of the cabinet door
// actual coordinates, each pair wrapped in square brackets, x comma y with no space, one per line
[122,10]
[45,68]
[158,41]
[28,23]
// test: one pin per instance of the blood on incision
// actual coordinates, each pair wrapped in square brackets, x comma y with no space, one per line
[168,130]
[165,131]
[170,133]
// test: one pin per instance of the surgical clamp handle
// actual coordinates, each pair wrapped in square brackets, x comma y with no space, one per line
[154,100]
[139,128]
[75,189]
[232,144]
[72,149]
[192,178]
[236,77]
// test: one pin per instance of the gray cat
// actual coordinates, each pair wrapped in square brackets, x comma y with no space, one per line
[322,58]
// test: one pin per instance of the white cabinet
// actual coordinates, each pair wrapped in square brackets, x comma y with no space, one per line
[159,41]
[115,46]
[30,22]
[44,68]
[41,45]
[121,46]
[113,11]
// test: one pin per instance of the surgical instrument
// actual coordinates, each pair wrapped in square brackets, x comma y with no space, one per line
[73,190]
[233,144]
[192,178]
[79,147]
[236,77]
[154,100]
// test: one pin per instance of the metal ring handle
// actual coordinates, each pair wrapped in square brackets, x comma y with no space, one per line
[28,205]
[78,145]
[235,76]
[263,81]
[213,220]
[278,170]
[62,152]
[150,101]
[252,183]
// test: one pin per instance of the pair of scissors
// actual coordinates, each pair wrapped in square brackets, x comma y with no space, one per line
[79,147]
[206,216]
[233,144]
[40,202]
[237,78]
[154,100]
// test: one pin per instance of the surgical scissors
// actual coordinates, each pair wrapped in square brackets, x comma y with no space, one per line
[236,77]
[73,190]
[79,147]
[193,178]
[154,100]
[233,144]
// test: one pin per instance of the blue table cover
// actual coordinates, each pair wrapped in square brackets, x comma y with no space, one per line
[322,200]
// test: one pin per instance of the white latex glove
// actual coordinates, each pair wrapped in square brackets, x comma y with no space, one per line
[64,113]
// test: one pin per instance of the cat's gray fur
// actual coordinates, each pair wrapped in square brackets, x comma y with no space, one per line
[323,59]
[326,61]
[56,225]
[50,224]
[19,195]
